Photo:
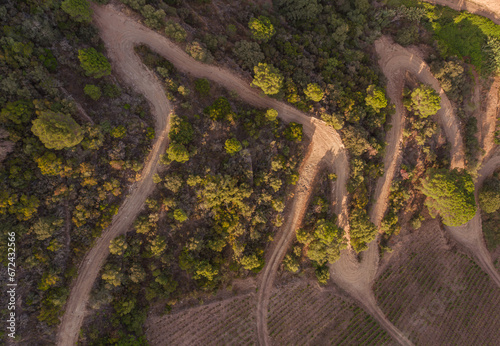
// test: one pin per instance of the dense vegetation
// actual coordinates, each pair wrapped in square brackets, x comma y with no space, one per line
[64,171]
[220,197]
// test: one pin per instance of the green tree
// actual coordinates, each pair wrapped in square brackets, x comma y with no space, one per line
[94,63]
[424,101]
[250,262]
[111,274]
[181,131]
[248,53]
[118,132]
[19,112]
[232,146]
[450,194]
[118,246]
[322,274]
[375,98]
[180,215]
[293,132]
[175,31]
[158,245]
[362,230]
[298,10]
[79,10]
[177,152]
[489,196]
[205,270]
[57,130]
[49,164]
[219,110]
[92,91]
[314,92]
[267,78]
[202,86]
[262,29]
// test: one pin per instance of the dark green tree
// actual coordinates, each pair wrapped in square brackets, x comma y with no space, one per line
[298,10]
[449,194]
[79,10]
[489,197]
[293,132]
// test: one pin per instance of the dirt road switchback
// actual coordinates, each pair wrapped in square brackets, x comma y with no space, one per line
[120,34]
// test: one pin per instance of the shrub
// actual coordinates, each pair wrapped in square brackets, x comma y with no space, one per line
[262,29]
[232,146]
[177,152]
[198,52]
[57,130]
[450,194]
[93,91]
[267,78]
[79,10]
[175,31]
[322,274]
[271,114]
[180,215]
[314,92]
[202,86]
[118,132]
[293,132]
[94,63]
[219,110]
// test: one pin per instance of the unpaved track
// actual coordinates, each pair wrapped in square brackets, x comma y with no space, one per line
[120,35]
[355,276]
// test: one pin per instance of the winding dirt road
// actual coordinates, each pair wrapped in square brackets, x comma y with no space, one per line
[120,35]
[355,276]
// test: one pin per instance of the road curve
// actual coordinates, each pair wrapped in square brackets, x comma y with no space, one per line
[120,34]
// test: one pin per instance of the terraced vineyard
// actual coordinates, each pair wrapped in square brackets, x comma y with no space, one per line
[303,314]
[227,322]
[437,295]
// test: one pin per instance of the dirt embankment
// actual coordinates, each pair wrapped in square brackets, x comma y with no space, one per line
[486,8]
[120,35]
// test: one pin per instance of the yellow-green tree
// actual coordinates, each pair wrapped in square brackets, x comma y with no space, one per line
[262,28]
[94,63]
[57,130]
[268,78]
